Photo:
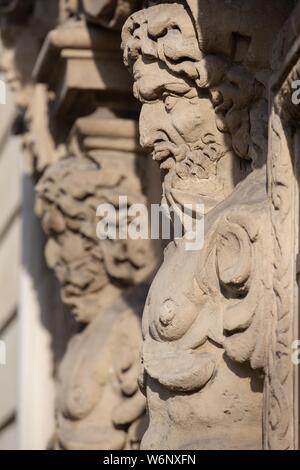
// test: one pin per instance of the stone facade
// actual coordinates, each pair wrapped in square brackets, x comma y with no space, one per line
[198,355]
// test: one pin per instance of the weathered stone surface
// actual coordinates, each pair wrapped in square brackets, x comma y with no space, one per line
[80,162]
[7,112]
[281,429]
[209,314]
[215,80]
[87,60]
[92,272]
[99,404]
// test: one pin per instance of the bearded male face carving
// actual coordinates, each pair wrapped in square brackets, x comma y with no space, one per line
[174,126]
[194,118]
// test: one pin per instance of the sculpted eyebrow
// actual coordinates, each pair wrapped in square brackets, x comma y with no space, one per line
[154,94]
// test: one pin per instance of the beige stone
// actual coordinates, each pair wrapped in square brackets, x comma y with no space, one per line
[215,80]
[209,314]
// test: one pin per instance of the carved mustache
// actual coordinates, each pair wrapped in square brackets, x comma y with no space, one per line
[164,149]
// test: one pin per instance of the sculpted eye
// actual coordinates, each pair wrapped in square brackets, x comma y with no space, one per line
[170,101]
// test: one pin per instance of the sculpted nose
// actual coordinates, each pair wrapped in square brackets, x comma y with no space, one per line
[146,128]
[146,141]
[151,125]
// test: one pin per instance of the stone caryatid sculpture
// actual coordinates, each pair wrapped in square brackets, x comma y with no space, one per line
[68,195]
[99,405]
[209,322]
[219,321]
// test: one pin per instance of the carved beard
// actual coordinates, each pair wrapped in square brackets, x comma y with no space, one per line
[193,177]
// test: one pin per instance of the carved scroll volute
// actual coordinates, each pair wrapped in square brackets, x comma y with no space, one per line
[209,312]
[235,271]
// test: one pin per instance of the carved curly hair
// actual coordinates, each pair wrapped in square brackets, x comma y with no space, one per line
[169,36]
